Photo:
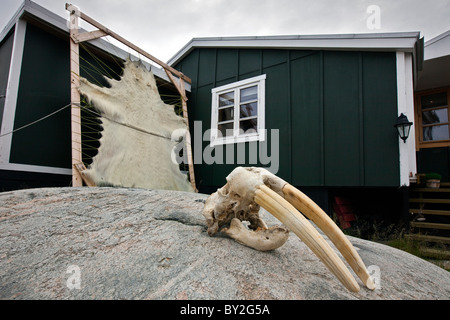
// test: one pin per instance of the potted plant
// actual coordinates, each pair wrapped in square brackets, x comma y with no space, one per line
[433,180]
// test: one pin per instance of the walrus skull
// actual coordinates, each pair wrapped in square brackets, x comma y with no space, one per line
[249,188]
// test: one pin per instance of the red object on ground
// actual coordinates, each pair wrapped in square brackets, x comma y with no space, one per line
[344,211]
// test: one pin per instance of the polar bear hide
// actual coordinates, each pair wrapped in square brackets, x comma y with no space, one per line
[135,147]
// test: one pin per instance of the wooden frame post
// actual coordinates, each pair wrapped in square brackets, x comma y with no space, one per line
[181,90]
[188,135]
[77,180]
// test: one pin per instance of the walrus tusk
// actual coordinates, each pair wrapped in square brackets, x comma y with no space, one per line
[248,189]
[310,209]
[294,221]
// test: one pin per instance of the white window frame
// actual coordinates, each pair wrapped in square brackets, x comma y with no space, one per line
[215,137]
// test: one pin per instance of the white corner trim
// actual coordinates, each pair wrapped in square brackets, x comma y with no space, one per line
[405,100]
[33,168]
[12,90]
[409,88]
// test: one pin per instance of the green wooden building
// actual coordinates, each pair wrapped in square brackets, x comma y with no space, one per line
[317,110]
[334,100]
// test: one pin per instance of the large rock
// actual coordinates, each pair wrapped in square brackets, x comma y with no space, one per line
[145,244]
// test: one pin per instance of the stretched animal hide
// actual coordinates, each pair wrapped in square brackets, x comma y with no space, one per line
[132,152]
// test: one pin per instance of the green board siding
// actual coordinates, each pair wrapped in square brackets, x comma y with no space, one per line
[278,111]
[306,91]
[44,87]
[334,111]
[380,147]
[341,118]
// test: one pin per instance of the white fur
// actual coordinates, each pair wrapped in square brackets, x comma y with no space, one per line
[128,157]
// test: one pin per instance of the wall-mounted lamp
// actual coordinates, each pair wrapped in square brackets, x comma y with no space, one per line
[403,126]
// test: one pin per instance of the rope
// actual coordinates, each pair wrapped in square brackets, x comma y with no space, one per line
[36,121]
[88,110]
[123,124]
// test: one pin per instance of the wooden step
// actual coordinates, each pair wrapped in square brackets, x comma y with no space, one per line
[430,225]
[425,200]
[426,211]
[430,190]
[423,237]
[435,253]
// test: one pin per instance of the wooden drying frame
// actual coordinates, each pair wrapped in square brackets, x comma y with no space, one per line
[75,39]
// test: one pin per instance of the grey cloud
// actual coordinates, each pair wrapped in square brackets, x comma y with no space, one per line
[162,27]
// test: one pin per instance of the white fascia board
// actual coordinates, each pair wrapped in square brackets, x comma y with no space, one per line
[438,46]
[367,42]
[33,168]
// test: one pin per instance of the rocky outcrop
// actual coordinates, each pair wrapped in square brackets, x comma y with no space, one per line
[115,243]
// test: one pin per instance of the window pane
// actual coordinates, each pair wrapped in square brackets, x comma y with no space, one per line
[226,114]
[248,126]
[226,99]
[249,110]
[435,133]
[434,100]
[249,94]
[226,129]
[435,116]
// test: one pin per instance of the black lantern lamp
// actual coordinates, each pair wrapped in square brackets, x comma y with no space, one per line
[403,126]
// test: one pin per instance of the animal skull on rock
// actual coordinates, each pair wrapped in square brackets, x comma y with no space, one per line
[249,188]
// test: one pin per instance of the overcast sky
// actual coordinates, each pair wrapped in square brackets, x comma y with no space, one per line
[162,27]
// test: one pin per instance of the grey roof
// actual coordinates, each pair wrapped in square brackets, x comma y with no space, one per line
[438,46]
[31,9]
[395,41]
[437,38]
[436,63]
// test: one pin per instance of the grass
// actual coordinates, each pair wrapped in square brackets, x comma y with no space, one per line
[404,244]
[392,233]
[375,229]
[434,253]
